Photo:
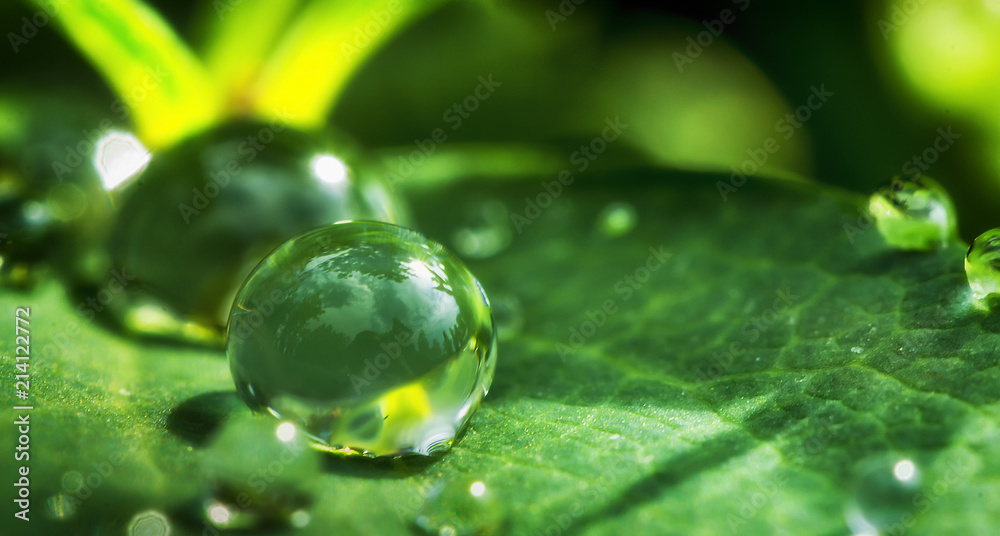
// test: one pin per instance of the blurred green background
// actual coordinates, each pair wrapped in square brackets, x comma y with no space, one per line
[881,88]
[899,71]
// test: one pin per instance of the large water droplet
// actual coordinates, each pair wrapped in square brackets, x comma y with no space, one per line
[373,338]
[196,221]
[914,213]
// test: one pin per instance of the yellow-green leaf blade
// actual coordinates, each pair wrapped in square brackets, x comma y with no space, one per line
[325,46]
[146,63]
[232,59]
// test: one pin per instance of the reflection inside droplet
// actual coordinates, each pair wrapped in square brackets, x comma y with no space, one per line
[118,157]
[219,514]
[477,489]
[904,470]
[149,523]
[286,431]
[329,168]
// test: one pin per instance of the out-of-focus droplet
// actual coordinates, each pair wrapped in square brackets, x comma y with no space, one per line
[371,337]
[259,472]
[982,265]
[487,232]
[195,222]
[61,506]
[914,213]
[508,314]
[464,507]
[617,219]
[884,490]
[149,523]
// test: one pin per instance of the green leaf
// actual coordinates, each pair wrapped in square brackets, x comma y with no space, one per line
[148,65]
[322,49]
[846,355]
[233,60]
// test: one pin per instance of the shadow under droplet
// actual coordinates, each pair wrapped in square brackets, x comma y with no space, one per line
[384,467]
[377,468]
[196,419]
[991,321]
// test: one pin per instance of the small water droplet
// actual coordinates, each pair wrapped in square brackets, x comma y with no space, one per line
[461,508]
[487,233]
[508,315]
[258,472]
[857,349]
[914,213]
[885,487]
[982,265]
[617,219]
[368,336]
[149,523]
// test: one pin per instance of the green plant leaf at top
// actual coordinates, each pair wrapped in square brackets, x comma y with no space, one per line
[325,44]
[148,65]
[759,364]
[232,59]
